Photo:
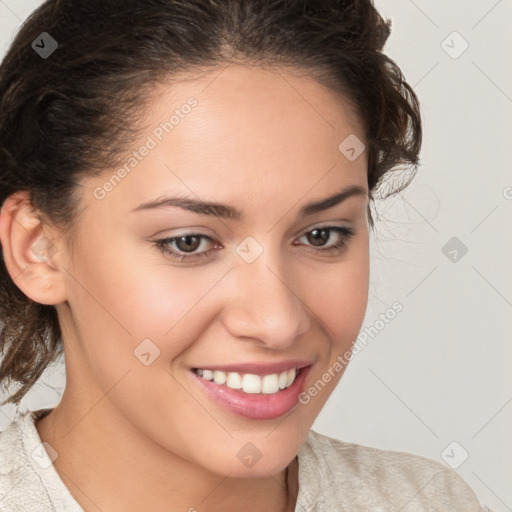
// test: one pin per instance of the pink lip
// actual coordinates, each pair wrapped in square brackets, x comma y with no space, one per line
[259,368]
[255,406]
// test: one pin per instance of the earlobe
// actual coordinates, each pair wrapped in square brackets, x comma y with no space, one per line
[31,251]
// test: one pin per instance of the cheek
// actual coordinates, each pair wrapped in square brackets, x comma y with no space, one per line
[341,297]
[340,300]
[130,295]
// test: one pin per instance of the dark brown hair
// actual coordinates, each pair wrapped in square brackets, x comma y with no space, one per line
[75,112]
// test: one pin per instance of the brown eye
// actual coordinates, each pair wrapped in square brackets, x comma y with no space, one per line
[318,236]
[186,246]
[188,243]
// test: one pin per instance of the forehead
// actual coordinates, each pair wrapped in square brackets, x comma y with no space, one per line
[241,128]
[261,99]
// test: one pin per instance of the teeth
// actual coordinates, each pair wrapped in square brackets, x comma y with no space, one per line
[291,377]
[283,380]
[250,383]
[234,381]
[207,374]
[270,384]
[219,377]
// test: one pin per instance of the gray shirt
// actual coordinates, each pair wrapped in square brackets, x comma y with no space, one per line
[333,476]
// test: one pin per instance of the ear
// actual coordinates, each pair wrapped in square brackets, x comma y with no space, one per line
[31,251]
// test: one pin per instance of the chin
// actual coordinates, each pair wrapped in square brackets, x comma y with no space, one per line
[252,457]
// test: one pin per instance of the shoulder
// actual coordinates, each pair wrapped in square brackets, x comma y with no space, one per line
[27,477]
[19,484]
[367,478]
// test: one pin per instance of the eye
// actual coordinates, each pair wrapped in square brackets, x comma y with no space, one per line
[320,235]
[189,243]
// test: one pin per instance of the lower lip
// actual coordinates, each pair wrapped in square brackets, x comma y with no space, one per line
[256,406]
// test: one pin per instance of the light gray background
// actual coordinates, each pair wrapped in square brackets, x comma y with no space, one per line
[440,371]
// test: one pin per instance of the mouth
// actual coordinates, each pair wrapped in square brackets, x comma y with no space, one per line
[260,395]
[251,383]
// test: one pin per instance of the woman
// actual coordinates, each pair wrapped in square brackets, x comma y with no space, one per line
[186,192]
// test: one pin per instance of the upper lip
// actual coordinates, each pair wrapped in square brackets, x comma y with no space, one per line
[258,368]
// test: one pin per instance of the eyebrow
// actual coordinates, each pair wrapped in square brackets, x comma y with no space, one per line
[230,212]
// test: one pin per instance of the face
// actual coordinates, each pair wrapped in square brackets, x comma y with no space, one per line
[155,292]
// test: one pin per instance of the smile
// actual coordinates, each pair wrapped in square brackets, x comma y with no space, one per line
[256,397]
[249,382]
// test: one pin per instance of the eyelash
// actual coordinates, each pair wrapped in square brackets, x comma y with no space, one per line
[345,235]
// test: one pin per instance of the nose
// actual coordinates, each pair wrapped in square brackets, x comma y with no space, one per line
[263,304]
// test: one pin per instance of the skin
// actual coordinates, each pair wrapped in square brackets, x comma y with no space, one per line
[131,437]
